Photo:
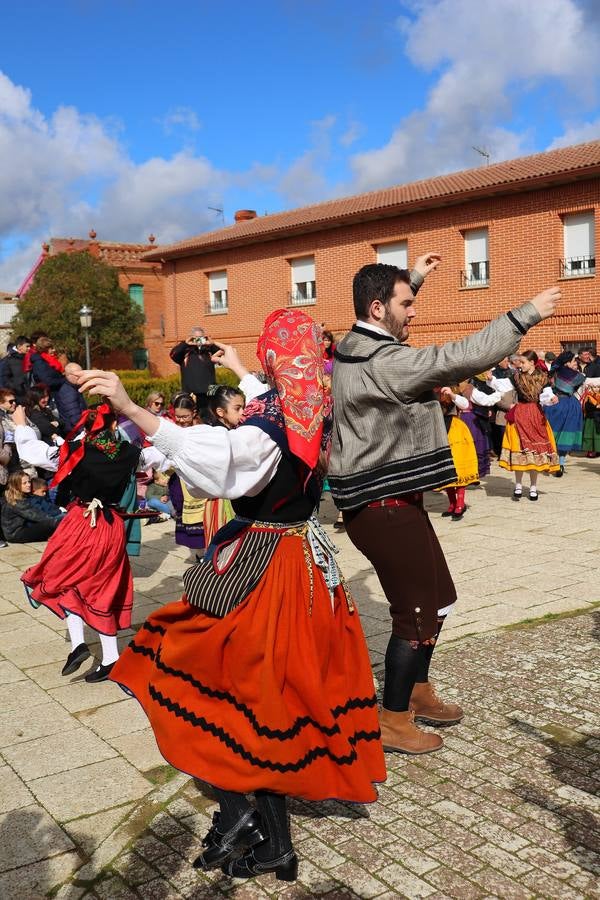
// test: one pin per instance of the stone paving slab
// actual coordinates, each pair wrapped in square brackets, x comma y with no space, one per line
[509,807]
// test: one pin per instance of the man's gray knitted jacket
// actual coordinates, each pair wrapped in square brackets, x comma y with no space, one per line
[389,436]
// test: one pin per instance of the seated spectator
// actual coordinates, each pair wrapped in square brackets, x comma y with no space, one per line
[42,415]
[12,373]
[155,403]
[22,521]
[157,497]
[39,498]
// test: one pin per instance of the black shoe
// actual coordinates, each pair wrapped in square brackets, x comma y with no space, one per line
[75,658]
[220,846]
[517,495]
[533,496]
[247,866]
[560,473]
[99,674]
[447,513]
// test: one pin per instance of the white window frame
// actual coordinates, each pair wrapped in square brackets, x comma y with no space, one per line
[218,294]
[579,245]
[477,257]
[304,281]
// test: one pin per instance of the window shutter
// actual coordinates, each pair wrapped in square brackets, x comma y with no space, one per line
[395,254]
[303,269]
[579,236]
[476,246]
[217,281]
[136,293]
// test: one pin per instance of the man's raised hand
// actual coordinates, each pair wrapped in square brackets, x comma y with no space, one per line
[427,263]
[546,301]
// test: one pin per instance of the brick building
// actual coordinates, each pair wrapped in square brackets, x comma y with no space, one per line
[141,279]
[506,231]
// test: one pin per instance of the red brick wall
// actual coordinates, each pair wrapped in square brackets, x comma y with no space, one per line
[525,246]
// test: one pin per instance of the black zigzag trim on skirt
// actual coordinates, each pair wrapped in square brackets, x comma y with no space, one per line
[154,629]
[310,757]
[261,730]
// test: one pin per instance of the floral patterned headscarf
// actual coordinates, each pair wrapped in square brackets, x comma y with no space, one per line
[291,354]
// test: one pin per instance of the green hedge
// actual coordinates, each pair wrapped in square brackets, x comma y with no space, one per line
[139,383]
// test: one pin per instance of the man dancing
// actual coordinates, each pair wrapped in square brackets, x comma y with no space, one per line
[389,446]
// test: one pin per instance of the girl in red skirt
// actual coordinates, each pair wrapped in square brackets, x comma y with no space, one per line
[258,680]
[84,573]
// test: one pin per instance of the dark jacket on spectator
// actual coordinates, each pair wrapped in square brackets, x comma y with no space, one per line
[69,401]
[197,369]
[47,506]
[13,376]
[23,521]
[44,419]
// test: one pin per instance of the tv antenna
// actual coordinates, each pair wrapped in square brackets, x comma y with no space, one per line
[483,152]
[219,210]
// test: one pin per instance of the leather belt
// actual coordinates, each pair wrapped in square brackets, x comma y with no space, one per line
[414,499]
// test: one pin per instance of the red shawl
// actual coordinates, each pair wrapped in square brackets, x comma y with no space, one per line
[291,353]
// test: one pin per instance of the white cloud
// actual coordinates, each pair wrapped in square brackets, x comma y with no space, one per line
[483,52]
[577,134]
[180,117]
[50,167]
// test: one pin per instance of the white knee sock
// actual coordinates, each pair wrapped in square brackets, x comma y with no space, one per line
[110,648]
[75,626]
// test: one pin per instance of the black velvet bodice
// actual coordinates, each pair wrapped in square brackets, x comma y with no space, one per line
[284,499]
[98,476]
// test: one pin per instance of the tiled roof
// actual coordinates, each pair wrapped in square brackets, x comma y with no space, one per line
[112,252]
[525,173]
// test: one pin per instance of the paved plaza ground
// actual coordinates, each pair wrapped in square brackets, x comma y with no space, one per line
[508,809]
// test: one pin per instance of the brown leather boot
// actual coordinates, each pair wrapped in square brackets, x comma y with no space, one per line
[427,706]
[399,734]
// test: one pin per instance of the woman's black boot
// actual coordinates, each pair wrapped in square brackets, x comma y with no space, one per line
[221,845]
[248,866]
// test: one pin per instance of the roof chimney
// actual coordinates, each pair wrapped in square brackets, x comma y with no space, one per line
[244,215]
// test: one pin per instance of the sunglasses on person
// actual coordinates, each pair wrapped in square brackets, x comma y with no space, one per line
[158,403]
[11,400]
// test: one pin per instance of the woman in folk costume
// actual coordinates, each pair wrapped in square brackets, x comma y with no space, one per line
[258,680]
[590,404]
[84,573]
[225,409]
[477,415]
[464,454]
[566,416]
[528,444]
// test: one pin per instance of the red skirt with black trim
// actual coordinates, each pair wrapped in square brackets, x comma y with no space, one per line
[86,571]
[277,695]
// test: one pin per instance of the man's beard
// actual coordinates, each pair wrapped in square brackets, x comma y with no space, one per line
[395,328]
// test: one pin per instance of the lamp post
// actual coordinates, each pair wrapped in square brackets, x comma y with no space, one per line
[85,317]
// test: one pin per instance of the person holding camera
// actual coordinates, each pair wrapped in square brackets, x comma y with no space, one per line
[193,356]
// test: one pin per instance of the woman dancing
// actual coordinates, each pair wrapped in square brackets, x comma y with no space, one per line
[528,444]
[84,573]
[259,680]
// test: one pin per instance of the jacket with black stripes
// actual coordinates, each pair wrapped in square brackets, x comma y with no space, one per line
[389,436]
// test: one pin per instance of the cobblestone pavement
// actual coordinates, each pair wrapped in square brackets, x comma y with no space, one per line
[508,809]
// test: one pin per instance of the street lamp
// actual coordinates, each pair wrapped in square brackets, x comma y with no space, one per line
[85,317]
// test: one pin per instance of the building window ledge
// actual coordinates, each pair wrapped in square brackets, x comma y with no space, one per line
[475,287]
[210,311]
[585,276]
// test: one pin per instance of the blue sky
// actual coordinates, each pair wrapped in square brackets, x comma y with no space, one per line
[135,117]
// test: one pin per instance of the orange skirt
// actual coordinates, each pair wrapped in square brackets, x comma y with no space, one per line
[277,695]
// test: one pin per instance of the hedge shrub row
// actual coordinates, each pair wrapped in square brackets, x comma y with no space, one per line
[139,383]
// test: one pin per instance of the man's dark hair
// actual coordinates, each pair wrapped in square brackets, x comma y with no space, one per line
[375,282]
[21,340]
